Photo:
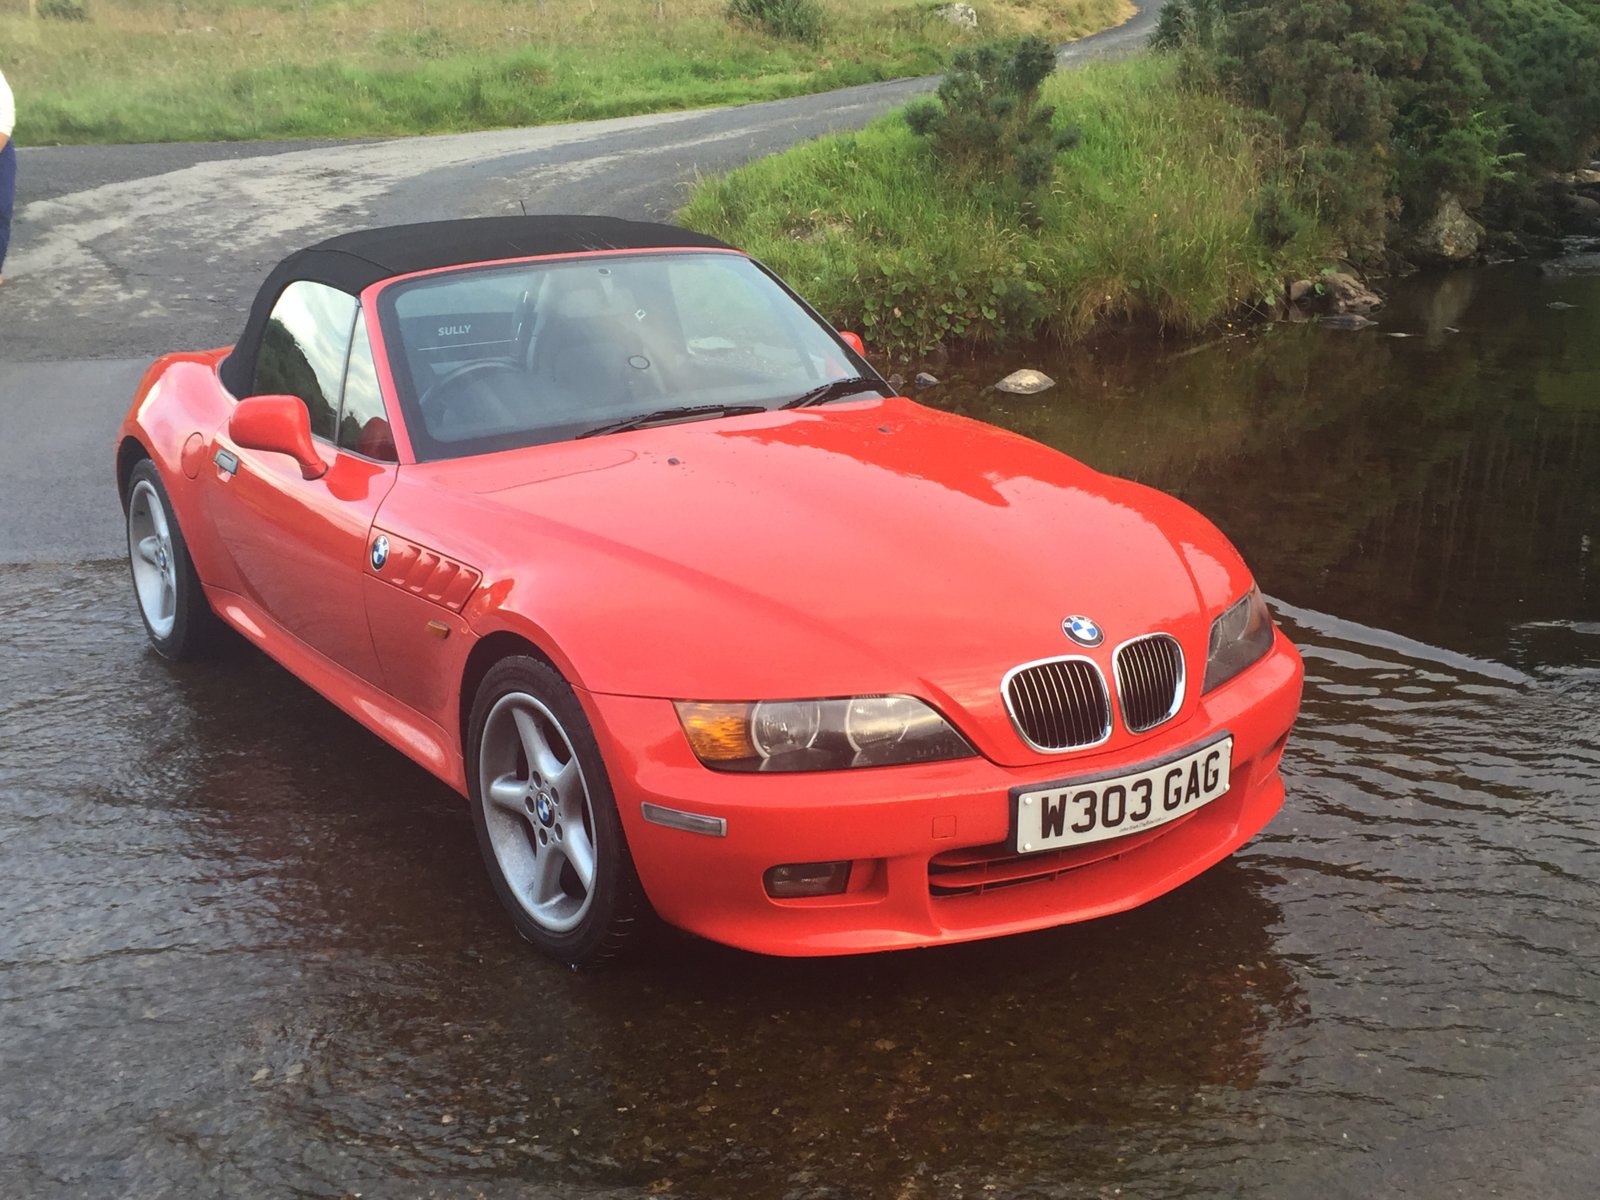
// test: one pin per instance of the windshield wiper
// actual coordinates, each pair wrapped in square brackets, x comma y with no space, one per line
[662,416]
[834,389]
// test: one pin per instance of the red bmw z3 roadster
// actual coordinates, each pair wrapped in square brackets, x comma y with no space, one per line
[606,528]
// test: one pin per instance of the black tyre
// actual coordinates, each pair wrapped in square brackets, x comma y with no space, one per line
[171,602]
[546,819]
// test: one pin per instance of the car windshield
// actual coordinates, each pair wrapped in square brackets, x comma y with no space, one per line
[493,358]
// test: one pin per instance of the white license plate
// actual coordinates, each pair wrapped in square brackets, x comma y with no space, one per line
[1078,812]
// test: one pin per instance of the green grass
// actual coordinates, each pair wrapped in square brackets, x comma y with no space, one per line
[1151,217]
[139,70]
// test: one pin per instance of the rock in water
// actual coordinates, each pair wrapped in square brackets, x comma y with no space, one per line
[925,380]
[1025,382]
[1334,293]
[1450,236]
[1346,321]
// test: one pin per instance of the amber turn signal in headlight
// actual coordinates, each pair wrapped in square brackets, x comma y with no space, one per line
[818,735]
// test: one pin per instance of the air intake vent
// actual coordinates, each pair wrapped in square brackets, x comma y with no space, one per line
[1059,705]
[1149,681]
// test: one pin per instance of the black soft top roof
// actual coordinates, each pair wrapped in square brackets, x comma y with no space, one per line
[352,262]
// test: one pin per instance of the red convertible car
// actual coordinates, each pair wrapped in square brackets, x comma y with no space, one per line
[602,525]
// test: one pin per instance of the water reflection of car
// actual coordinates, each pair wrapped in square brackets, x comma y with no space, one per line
[599,523]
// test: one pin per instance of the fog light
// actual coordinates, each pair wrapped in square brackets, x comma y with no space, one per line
[807,879]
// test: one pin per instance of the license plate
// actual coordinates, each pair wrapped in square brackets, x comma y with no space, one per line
[1078,812]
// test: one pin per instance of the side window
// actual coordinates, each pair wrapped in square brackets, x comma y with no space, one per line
[304,348]
[363,423]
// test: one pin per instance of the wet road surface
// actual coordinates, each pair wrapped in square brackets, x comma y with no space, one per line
[247,950]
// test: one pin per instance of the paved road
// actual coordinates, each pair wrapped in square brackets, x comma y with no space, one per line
[123,252]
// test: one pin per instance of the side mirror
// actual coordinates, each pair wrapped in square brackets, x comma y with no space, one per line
[853,340]
[281,425]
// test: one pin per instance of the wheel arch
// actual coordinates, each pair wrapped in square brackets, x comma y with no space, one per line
[130,452]
[489,650]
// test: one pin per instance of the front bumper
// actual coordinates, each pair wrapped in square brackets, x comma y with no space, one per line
[910,831]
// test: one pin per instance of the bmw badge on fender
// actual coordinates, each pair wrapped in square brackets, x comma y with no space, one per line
[601,524]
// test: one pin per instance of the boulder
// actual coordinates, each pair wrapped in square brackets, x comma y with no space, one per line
[1334,293]
[1584,210]
[1449,236]
[925,380]
[1025,382]
[963,15]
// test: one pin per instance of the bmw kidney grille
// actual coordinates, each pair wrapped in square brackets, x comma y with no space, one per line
[1062,703]
[1149,681]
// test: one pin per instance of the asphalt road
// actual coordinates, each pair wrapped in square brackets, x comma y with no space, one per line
[120,253]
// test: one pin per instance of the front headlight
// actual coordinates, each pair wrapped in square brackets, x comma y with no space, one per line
[1239,637]
[818,735]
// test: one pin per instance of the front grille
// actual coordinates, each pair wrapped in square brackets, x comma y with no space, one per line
[1149,681]
[978,869]
[1059,705]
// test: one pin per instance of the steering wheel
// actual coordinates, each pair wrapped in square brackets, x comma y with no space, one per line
[434,402]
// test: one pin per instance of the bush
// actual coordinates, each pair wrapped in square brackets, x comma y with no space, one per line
[796,20]
[1392,105]
[987,124]
[64,10]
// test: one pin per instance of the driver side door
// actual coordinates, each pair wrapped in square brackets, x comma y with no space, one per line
[300,545]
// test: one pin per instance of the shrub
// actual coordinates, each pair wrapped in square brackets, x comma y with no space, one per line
[64,10]
[1393,103]
[796,20]
[987,123]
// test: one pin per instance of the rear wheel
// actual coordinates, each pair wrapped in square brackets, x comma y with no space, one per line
[546,820]
[172,603]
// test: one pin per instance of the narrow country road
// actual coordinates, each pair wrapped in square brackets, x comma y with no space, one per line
[124,252]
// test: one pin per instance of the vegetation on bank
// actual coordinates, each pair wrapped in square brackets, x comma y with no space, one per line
[1183,187]
[1394,105]
[197,70]
[1153,211]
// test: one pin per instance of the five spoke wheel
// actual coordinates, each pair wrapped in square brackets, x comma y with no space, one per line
[155,579]
[171,601]
[539,816]
[546,819]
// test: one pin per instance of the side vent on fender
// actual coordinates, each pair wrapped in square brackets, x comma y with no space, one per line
[428,574]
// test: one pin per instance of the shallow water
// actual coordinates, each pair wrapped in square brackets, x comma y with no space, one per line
[246,949]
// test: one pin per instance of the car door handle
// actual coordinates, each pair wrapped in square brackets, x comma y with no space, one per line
[227,463]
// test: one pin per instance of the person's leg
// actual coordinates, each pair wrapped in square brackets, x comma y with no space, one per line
[8,190]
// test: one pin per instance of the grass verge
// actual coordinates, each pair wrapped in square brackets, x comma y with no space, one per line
[1152,216]
[221,70]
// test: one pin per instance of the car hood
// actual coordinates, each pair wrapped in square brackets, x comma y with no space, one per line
[869,547]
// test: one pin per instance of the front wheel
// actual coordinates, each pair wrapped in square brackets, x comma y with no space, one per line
[546,820]
[172,603]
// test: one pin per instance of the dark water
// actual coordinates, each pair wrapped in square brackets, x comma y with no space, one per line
[246,950]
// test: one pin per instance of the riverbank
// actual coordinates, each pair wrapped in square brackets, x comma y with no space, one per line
[1154,215]
[227,70]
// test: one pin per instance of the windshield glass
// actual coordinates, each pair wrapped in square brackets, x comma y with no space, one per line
[493,358]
